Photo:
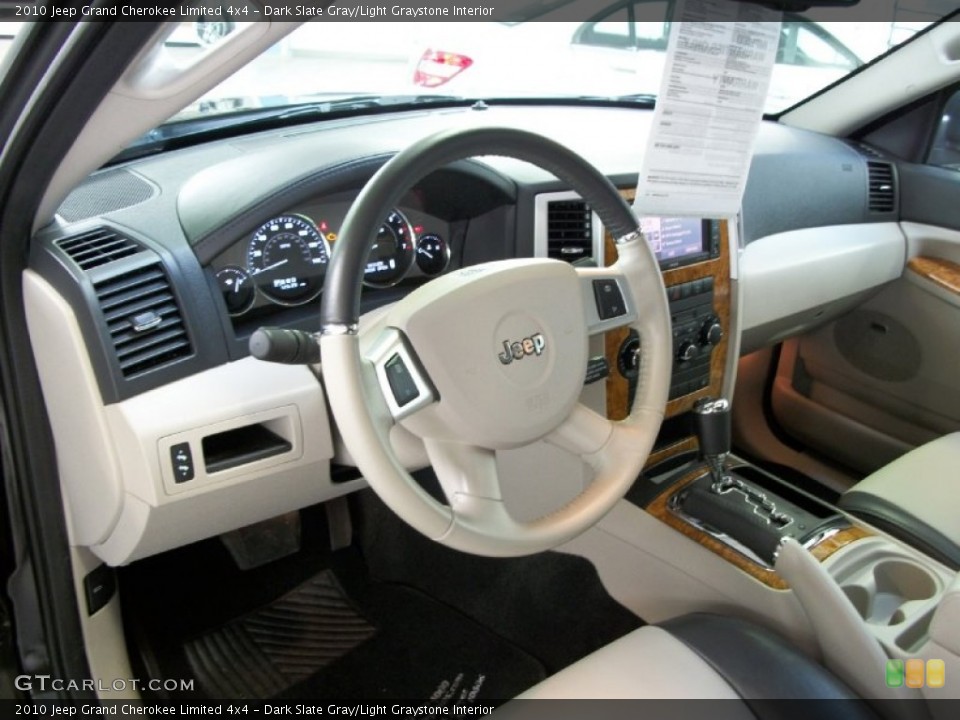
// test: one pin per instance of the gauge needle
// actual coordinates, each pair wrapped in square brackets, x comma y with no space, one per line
[236,285]
[269,267]
[424,252]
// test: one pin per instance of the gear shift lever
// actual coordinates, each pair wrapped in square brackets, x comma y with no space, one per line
[712,424]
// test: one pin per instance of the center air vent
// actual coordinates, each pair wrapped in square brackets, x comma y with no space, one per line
[143,319]
[569,230]
[883,188]
[98,247]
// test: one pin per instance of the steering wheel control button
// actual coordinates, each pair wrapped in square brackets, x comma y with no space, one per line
[182,460]
[402,385]
[610,302]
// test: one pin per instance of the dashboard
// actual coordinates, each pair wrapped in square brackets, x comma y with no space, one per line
[155,274]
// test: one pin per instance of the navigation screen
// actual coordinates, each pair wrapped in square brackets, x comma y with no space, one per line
[673,238]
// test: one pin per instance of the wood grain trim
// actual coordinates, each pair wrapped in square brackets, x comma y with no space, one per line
[821,551]
[684,446]
[719,270]
[618,387]
[944,273]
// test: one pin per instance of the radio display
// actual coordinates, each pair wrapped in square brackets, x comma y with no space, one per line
[678,241]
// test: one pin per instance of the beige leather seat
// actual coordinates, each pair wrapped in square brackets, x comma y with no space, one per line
[916,498]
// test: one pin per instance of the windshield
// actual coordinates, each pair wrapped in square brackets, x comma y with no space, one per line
[539,50]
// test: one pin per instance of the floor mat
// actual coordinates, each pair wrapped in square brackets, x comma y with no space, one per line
[552,605]
[422,650]
[280,645]
[368,641]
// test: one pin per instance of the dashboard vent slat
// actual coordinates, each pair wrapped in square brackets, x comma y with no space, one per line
[569,230]
[143,319]
[883,188]
[98,247]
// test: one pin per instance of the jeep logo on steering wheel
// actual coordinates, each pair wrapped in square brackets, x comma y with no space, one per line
[533,345]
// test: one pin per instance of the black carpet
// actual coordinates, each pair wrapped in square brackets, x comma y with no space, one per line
[394,616]
[282,644]
[552,605]
[422,650]
[379,641]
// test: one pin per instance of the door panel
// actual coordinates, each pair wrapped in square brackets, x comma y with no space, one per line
[885,377]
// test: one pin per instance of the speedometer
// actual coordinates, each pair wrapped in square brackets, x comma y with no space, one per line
[392,254]
[287,259]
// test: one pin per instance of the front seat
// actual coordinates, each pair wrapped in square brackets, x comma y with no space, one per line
[705,656]
[916,498]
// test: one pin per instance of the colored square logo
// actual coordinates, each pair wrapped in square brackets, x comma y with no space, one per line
[914,673]
[894,673]
[936,673]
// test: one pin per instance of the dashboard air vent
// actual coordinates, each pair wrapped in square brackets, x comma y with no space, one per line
[569,230]
[883,191]
[98,247]
[144,321]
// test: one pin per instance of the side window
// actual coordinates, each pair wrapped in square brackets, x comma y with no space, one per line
[8,33]
[631,25]
[612,31]
[651,25]
[945,149]
[807,45]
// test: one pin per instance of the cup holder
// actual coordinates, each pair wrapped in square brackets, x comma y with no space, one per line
[884,596]
[860,597]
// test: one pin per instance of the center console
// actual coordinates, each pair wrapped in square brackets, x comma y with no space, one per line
[851,585]
[895,591]
[694,257]
[740,511]
[857,588]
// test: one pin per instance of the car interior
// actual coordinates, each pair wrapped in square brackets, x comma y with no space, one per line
[408,404]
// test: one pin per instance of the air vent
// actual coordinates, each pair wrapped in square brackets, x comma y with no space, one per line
[144,321]
[569,230]
[98,247]
[883,191]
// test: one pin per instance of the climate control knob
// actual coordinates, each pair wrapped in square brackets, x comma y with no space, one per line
[711,332]
[688,351]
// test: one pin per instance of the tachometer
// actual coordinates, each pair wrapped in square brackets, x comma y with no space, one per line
[287,259]
[392,255]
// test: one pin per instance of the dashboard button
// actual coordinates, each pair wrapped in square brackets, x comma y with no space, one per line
[182,460]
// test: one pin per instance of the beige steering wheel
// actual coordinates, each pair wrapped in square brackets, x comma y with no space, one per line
[492,357]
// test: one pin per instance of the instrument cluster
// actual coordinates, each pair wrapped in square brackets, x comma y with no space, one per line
[283,262]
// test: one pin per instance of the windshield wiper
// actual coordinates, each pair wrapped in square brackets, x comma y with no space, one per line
[364,102]
[182,133]
[642,99]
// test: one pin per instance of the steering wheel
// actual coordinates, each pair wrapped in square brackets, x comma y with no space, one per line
[491,357]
